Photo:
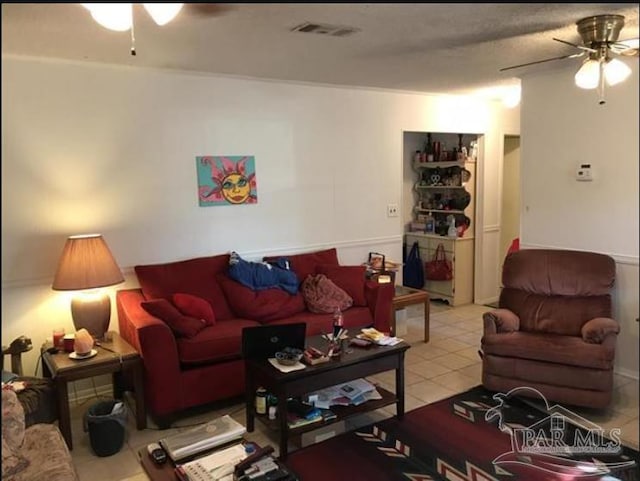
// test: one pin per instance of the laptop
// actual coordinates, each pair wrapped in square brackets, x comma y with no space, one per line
[262,342]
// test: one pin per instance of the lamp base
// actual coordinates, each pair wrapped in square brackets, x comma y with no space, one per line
[91,312]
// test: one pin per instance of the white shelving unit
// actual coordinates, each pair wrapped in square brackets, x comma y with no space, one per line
[440,188]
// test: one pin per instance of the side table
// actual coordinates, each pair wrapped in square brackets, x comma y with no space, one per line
[115,356]
[406,296]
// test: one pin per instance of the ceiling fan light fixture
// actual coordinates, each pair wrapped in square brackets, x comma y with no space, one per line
[114,16]
[616,71]
[163,13]
[588,76]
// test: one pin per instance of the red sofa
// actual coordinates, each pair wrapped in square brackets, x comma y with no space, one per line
[186,372]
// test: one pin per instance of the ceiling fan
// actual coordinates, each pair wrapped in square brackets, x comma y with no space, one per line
[600,44]
[120,16]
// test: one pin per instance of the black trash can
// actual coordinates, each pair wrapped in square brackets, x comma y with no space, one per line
[106,421]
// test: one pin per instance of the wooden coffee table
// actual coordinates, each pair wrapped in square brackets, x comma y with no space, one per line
[354,363]
[407,296]
[113,357]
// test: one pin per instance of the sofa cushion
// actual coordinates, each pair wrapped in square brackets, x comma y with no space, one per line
[350,279]
[322,295]
[12,461]
[193,276]
[181,325]
[264,305]
[194,306]
[13,425]
[214,343]
[567,350]
[13,433]
[305,264]
[48,454]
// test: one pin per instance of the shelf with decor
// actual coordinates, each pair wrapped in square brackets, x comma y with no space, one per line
[439,186]
[443,210]
[443,164]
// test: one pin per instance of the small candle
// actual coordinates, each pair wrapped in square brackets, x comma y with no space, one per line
[58,334]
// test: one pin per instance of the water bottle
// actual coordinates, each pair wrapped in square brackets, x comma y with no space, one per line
[338,322]
[430,224]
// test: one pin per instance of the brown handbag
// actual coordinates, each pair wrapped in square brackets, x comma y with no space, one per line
[439,268]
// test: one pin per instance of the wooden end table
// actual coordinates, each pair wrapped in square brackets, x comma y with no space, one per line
[407,296]
[115,356]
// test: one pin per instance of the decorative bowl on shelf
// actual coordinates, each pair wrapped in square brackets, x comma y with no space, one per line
[289,356]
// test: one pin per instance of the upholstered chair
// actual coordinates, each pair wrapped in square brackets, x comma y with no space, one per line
[553,330]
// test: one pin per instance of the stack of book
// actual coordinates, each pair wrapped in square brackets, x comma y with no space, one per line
[302,414]
[202,438]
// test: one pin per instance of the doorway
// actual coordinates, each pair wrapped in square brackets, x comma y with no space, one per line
[510,204]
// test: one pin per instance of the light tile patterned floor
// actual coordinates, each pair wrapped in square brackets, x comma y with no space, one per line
[448,364]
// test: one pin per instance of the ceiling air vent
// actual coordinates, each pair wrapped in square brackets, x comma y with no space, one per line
[325,29]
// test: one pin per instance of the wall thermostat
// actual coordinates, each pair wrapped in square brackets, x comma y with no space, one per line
[583,172]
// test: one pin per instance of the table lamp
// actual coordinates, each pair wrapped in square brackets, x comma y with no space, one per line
[87,263]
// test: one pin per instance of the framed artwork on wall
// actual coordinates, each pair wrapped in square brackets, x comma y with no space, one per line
[226,180]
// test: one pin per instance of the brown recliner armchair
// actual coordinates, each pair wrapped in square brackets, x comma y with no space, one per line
[553,329]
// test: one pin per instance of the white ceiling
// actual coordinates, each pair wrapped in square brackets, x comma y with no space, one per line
[422,47]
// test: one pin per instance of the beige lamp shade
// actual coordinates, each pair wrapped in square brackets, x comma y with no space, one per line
[87,263]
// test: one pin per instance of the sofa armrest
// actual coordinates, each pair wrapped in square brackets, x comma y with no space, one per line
[379,300]
[500,320]
[157,346]
[596,330]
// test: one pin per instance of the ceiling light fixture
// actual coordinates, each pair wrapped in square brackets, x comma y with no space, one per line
[119,16]
[597,70]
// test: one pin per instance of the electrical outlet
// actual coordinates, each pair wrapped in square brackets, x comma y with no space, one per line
[392,210]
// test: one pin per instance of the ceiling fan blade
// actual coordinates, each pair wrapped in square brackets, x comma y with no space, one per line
[575,55]
[628,48]
[206,9]
[581,47]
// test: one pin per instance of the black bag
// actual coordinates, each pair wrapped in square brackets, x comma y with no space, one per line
[413,273]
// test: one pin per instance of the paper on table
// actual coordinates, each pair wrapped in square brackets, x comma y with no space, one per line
[296,367]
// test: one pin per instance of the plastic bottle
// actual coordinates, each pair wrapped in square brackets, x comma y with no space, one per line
[261,401]
[338,322]
[452,231]
[428,149]
[430,224]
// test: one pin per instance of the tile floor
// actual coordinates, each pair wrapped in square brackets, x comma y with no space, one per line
[448,364]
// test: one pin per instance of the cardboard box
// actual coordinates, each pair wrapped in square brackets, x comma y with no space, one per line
[321,434]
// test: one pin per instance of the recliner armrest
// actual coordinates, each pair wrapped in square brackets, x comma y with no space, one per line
[596,330]
[500,320]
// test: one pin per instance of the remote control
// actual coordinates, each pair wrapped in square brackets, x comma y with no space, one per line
[157,453]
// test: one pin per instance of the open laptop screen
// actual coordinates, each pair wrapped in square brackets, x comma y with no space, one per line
[262,342]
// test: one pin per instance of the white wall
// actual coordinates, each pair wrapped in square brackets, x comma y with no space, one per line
[90,148]
[562,127]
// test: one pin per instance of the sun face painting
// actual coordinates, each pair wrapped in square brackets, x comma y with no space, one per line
[226,180]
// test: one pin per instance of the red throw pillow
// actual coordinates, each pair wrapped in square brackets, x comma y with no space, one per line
[323,296]
[182,326]
[194,306]
[263,305]
[351,279]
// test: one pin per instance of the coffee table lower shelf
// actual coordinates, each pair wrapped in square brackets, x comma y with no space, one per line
[342,413]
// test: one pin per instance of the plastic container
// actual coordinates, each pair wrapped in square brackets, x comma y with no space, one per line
[106,422]
[430,224]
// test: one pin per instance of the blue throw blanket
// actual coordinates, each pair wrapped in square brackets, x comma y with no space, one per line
[261,275]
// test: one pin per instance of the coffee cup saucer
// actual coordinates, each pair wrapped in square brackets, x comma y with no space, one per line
[78,357]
